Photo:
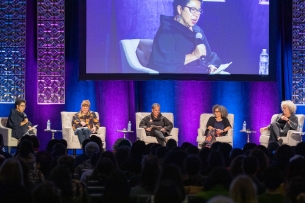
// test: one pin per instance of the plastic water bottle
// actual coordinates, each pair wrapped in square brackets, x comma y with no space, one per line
[244,126]
[49,125]
[264,63]
[129,126]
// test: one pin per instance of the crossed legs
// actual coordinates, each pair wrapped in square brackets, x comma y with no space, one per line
[83,134]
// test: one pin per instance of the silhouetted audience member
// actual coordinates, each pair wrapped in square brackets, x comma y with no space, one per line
[101,172]
[43,160]
[36,143]
[176,157]
[250,168]
[161,153]
[236,166]
[273,178]
[234,153]
[26,153]
[300,149]
[171,144]
[168,192]
[203,156]
[192,165]
[148,178]
[282,157]
[215,145]
[98,141]
[64,142]
[12,183]
[46,193]
[4,154]
[192,150]
[217,183]
[71,191]
[243,190]
[79,159]
[215,160]
[295,188]
[220,199]
[185,145]
[116,189]
[248,147]
[263,162]
[51,143]
[272,147]
[225,149]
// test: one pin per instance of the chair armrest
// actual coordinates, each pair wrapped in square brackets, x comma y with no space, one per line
[230,132]
[141,134]
[265,133]
[200,132]
[102,133]
[174,132]
[7,134]
[293,139]
[67,134]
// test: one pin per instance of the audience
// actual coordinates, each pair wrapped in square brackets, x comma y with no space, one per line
[135,172]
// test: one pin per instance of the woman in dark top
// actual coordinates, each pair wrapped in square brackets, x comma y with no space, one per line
[18,120]
[284,122]
[217,125]
[180,46]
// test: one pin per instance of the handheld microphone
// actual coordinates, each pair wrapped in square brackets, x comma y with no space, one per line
[25,116]
[199,40]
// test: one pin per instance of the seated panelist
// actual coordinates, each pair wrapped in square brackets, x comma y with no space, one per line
[157,125]
[217,125]
[18,120]
[85,122]
[284,122]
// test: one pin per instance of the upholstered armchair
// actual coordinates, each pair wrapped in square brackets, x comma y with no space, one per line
[141,134]
[135,54]
[9,141]
[291,138]
[68,132]
[203,123]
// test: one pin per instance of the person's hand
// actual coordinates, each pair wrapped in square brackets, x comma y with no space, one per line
[200,51]
[212,68]
[163,130]
[284,118]
[82,123]
[263,129]
[30,128]
[25,121]
[148,129]
[219,131]
[93,130]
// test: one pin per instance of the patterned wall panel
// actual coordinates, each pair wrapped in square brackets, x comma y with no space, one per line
[12,50]
[298,52]
[51,51]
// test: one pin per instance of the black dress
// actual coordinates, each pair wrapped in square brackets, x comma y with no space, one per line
[172,42]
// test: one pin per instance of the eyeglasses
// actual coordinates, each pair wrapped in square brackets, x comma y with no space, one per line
[193,10]
[22,105]
[216,111]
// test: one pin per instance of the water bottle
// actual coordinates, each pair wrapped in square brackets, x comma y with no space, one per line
[300,128]
[129,126]
[244,126]
[49,125]
[264,63]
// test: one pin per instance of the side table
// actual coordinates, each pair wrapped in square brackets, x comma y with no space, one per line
[248,133]
[52,131]
[124,131]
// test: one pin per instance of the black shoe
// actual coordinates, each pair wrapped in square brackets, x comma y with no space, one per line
[280,141]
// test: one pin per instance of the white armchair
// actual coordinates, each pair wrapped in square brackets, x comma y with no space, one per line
[135,54]
[291,139]
[141,134]
[9,141]
[203,123]
[68,132]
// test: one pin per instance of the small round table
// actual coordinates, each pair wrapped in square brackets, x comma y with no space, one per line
[124,131]
[248,133]
[52,131]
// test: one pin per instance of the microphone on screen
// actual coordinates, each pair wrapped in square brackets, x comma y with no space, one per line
[199,40]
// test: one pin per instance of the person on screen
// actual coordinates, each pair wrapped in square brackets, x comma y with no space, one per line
[284,122]
[217,125]
[85,122]
[180,46]
[18,120]
[157,125]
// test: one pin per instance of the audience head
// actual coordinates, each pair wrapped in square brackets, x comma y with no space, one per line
[62,178]
[171,144]
[192,150]
[248,147]
[137,149]
[98,141]
[250,165]
[121,142]
[150,173]
[11,173]
[215,160]
[122,155]
[294,188]
[35,141]
[218,177]
[46,192]
[185,145]
[91,148]
[161,152]
[67,161]
[176,157]
[167,191]
[110,155]
[153,148]
[64,142]
[288,105]
[235,152]
[283,155]
[25,148]
[300,149]
[236,166]
[58,150]
[104,168]
[43,162]
[192,165]
[85,142]
[295,168]
[272,178]
[51,143]
[215,145]
[243,190]
[220,199]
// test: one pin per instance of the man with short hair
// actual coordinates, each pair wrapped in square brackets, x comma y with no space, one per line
[157,125]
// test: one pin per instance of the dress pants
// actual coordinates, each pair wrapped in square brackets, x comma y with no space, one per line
[83,134]
[276,132]
[159,135]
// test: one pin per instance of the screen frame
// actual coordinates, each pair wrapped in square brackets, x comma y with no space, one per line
[83,75]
